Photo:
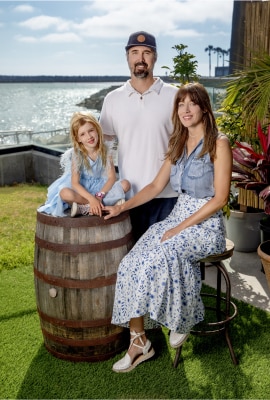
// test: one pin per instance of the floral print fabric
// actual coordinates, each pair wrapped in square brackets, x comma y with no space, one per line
[162,281]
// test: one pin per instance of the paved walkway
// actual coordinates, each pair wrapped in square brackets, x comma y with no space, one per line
[247,279]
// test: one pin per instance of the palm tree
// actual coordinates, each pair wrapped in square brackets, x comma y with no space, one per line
[228,54]
[224,53]
[218,50]
[210,48]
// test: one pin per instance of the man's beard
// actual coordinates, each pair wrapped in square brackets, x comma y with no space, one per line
[141,74]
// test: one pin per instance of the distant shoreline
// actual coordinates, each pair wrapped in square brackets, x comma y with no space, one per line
[207,81]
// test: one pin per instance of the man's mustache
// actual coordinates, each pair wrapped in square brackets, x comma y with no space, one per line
[141,63]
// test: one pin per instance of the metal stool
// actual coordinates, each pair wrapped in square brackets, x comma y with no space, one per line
[224,317]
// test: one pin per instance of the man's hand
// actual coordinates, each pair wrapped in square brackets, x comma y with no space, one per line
[111,211]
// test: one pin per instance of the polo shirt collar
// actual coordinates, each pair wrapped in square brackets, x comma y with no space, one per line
[156,87]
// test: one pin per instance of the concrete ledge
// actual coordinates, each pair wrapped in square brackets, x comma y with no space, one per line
[30,163]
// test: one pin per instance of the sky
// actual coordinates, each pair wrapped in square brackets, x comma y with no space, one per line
[89,37]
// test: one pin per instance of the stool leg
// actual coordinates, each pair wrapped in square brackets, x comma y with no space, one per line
[222,270]
[177,357]
[218,296]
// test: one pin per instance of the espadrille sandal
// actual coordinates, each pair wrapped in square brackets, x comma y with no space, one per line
[126,364]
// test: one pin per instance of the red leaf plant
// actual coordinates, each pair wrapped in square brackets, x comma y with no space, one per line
[244,155]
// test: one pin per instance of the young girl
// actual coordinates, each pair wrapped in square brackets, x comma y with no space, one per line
[89,180]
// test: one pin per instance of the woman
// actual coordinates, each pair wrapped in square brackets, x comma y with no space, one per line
[160,277]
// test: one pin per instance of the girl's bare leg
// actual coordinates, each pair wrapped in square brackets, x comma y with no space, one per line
[69,196]
[125,185]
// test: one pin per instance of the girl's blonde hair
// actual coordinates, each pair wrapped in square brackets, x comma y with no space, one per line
[79,119]
[199,95]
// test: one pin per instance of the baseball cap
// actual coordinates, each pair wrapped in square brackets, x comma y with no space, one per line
[141,38]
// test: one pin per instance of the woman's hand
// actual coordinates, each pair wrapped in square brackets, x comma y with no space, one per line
[169,234]
[111,211]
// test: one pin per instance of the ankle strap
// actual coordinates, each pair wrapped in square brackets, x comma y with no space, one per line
[136,335]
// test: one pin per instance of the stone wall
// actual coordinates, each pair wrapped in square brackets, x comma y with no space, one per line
[27,164]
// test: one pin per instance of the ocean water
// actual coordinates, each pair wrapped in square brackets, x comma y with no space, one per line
[49,106]
[40,112]
[43,106]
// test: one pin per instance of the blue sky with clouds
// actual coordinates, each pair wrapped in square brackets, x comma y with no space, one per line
[88,37]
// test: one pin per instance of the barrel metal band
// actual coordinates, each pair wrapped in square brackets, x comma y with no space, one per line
[68,323]
[76,283]
[83,248]
[79,222]
[84,357]
[81,342]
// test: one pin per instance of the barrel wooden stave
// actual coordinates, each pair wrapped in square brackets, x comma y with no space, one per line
[78,259]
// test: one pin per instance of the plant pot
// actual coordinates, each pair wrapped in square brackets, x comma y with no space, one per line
[243,228]
[265,229]
[264,254]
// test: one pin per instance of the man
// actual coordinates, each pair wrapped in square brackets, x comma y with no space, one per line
[138,114]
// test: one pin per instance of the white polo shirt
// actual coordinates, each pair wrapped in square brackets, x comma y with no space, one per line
[142,124]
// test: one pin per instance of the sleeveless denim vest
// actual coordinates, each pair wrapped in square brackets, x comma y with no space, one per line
[193,175]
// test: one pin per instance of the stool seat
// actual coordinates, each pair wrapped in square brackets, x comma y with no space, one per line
[228,252]
[223,317]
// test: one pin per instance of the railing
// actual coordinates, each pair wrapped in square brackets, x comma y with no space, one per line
[55,138]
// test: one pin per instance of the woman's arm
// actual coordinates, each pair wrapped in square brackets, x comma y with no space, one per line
[222,184]
[146,194]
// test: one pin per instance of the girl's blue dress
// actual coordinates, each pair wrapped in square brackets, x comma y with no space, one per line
[92,180]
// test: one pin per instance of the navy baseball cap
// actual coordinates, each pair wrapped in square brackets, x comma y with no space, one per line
[141,38]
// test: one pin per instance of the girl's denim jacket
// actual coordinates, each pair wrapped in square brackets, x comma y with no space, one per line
[193,175]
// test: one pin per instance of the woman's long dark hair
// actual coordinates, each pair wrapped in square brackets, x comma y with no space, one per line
[199,95]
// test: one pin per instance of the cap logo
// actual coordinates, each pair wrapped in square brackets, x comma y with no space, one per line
[141,38]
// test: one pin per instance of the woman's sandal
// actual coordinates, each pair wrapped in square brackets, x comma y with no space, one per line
[126,364]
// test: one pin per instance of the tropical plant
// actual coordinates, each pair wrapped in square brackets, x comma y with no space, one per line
[251,168]
[250,90]
[230,123]
[184,65]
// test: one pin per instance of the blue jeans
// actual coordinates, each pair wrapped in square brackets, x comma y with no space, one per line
[147,214]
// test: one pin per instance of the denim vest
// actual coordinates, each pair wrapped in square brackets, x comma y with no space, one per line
[193,175]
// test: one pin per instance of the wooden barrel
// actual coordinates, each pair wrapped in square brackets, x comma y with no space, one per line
[75,266]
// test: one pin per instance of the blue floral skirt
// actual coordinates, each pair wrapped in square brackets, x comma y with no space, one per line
[162,281]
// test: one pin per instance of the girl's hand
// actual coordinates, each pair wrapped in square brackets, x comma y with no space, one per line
[111,211]
[169,234]
[96,207]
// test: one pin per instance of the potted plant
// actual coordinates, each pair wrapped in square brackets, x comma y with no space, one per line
[251,176]
[246,102]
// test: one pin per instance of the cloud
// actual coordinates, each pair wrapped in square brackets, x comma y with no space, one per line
[43,22]
[183,33]
[164,14]
[115,19]
[51,38]
[26,39]
[61,38]
[24,8]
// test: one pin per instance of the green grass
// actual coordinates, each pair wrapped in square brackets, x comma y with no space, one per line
[28,371]
[17,223]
